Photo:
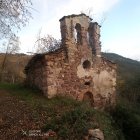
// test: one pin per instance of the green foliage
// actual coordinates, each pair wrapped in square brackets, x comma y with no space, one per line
[130,89]
[74,124]
[70,119]
[20,90]
[127,113]
[128,119]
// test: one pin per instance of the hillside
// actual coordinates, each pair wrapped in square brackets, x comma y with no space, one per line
[13,67]
[127,113]
[128,76]
[127,68]
[128,72]
[26,114]
[67,118]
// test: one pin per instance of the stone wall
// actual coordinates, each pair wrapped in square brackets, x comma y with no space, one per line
[34,72]
[77,68]
[60,77]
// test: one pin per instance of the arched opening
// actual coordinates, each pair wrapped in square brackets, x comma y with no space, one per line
[88,97]
[79,36]
[86,64]
[88,37]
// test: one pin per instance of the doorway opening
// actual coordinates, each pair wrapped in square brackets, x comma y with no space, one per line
[88,97]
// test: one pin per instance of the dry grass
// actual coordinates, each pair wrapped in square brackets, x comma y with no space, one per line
[13,67]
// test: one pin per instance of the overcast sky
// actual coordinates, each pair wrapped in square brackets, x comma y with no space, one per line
[120,21]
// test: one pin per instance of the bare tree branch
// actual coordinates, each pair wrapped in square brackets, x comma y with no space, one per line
[13,15]
[46,43]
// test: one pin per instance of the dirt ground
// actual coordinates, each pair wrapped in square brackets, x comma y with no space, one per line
[18,120]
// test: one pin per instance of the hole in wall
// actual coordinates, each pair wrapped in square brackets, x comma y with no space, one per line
[87,83]
[86,64]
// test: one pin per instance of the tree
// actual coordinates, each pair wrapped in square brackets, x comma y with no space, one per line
[11,48]
[46,44]
[13,15]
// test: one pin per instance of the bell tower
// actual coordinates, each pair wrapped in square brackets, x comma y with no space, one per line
[80,35]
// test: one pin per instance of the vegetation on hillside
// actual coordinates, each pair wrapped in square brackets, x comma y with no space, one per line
[68,118]
[13,69]
[71,119]
[128,77]
[127,117]
[127,113]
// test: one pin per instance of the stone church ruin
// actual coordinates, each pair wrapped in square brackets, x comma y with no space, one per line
[77,68]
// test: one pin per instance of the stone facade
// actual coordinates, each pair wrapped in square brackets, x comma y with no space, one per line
[77,69]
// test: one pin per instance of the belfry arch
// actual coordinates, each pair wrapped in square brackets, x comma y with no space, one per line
[78,33]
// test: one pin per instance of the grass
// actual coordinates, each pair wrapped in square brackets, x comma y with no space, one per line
[127,117]
[74,124]
[70,119]
[19,89]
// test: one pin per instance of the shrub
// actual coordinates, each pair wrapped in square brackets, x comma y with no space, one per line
[128,119]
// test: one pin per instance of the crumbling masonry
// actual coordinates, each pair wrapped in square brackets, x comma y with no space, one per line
[77,69]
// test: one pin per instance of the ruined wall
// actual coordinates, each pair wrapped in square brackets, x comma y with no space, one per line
[102,79]
[78,30]
[77,68]
[94,38]
[34,74]
[95,83]
[54,63]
